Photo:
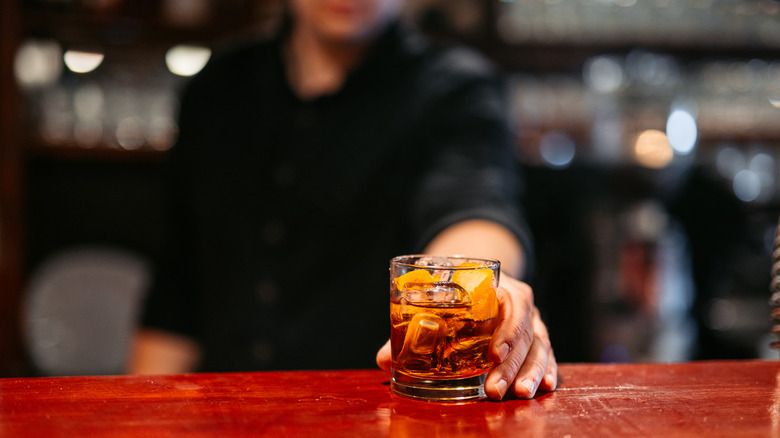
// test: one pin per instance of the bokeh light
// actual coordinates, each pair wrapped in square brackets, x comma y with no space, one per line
[187,60]
[38,63]
[82,62]
[747,185]
[557,149]
[729,161]
[652,149]
[604,74]
[681,131]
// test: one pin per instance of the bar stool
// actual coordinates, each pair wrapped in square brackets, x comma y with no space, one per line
[80,310]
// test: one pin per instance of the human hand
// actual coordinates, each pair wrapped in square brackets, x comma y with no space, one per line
[520,348]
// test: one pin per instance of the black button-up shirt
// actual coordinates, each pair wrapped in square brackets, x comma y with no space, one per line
[285,212]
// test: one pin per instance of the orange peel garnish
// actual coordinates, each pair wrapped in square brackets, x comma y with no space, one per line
[419,276]
[478,283]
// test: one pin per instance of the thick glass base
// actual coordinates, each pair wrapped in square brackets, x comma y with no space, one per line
[470,388]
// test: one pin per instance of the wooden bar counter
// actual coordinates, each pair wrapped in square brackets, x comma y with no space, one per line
[719,398]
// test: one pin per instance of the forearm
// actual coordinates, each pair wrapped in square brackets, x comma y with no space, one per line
[159,352]
[484,239]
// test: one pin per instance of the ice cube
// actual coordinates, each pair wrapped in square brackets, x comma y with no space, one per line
[424,338]
[440,292]
[424,332]
[437,262]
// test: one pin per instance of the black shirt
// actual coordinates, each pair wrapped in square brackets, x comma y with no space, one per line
[285,212]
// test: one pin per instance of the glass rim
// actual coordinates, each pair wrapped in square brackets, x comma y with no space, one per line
[408,260]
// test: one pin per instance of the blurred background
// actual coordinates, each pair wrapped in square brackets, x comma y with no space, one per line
[648,133]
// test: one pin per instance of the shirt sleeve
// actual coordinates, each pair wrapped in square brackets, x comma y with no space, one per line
[472,171]
[172,301]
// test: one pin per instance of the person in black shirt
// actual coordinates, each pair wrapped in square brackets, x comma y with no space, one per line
[307,161]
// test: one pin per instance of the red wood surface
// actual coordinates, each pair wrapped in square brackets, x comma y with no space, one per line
[730,398]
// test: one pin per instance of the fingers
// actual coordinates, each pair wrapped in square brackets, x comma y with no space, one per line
[383,356]
[513,337]
[539,369]
[550,378]
[520,346]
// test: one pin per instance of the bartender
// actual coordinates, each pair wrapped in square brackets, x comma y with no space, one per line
[304,163]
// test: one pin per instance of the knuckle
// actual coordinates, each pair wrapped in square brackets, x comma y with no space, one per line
[525,333]
[519,334]
[539,368]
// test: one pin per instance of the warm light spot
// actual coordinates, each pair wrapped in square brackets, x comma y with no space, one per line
[652,149]
[82,62]
[38,63]
[185,60]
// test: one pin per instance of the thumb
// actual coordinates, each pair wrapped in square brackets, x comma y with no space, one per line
[383,358]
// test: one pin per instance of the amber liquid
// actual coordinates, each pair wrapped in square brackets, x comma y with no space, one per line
[444,342]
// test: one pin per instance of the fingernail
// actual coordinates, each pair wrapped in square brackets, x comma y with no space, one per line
[503,352]
[530,385]
[550,381]
[501,387]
